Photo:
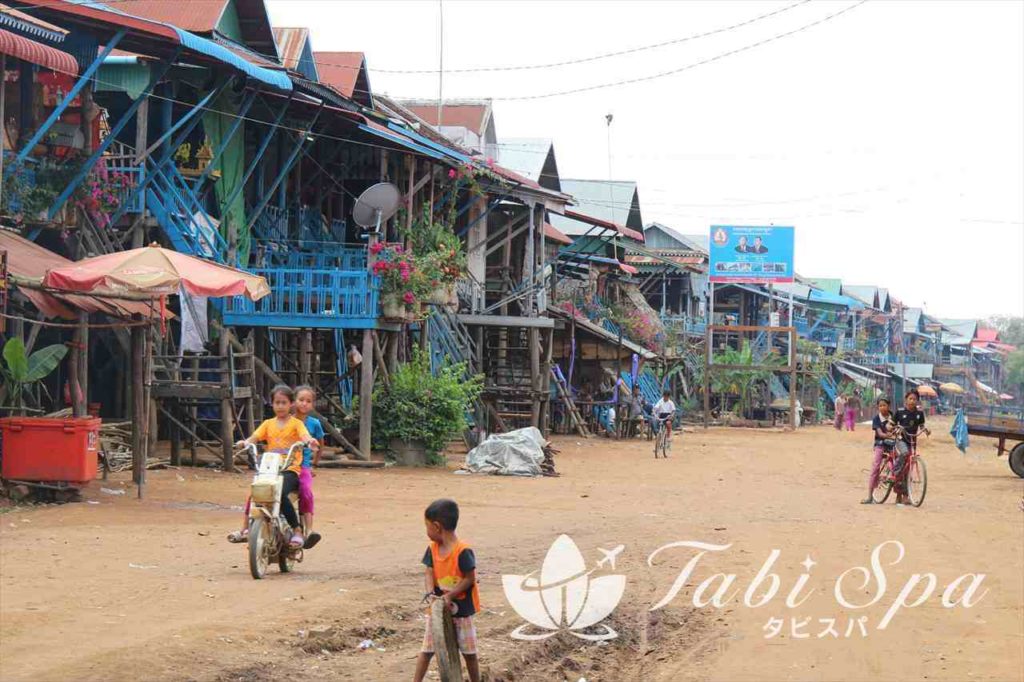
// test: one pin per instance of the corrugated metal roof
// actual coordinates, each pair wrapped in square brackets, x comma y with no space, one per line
[616,201]
[526,156]
[25,23]
[291,41]
[832,286]
[239,59]
[30,51]
[693,242]
[192,15]
[865,293]
[469,115]
[346,73]
[580,221]
[912,319]
[552,233]
[961,332]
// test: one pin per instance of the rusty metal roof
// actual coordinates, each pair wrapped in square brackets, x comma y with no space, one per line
[201,16]
[37,53]
[346,73]
[290,43]
[470,115]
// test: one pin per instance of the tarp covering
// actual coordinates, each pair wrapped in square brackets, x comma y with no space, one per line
[217,122]
[959,431]
[516,453]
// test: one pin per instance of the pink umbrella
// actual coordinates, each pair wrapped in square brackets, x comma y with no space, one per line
[155,271]
[1005,396]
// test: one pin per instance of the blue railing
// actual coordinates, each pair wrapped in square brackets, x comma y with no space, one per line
[132,201]
[184,220]
[826,337]
[312,298]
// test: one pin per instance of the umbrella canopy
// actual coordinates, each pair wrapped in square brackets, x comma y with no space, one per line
[1005,396]
[157,271]
[950,387]
[926,390]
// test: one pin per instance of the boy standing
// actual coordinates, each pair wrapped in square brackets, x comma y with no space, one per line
[912,421]
[450,575]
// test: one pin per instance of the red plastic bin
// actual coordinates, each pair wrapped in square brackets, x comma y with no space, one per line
[41,449]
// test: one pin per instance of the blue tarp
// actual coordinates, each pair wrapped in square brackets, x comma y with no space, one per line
[959,430]
[276,79]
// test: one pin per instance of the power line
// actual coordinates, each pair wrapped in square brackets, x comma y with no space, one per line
[663,74]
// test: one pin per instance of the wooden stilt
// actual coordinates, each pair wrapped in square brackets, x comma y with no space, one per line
[138,346]
[175,435]
[533,342]
[227,426]
[366,394]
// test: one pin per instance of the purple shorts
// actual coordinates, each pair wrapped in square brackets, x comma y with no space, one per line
[306,491]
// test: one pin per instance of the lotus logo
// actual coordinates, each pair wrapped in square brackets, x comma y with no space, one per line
[564,596]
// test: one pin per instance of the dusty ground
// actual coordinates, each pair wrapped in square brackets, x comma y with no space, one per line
[126,590]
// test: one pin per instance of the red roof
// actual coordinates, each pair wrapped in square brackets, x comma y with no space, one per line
[598,222]
[553,234]
[105,23]
[345,72]
[200,16]
[37,53]
[469,116]
[290,42]
[986,334]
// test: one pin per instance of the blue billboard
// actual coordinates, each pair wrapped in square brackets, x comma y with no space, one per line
[750,254]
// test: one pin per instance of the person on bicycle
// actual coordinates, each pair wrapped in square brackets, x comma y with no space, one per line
[911,420]
[664,411]
[882,426]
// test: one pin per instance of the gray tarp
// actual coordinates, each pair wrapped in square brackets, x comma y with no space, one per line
[516,453]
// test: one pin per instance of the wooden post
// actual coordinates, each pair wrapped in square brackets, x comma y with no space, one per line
[545,381]
[226,419]
[366,395]
[253,400]
[529,264]
[141,144]
[83,360]
[175,435]
[305,355]
[792,374]
[138,346]
[193,410]
[534,343]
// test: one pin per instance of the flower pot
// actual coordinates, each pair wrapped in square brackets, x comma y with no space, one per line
[43,449]
[411,453]
[392,308]
[443,295]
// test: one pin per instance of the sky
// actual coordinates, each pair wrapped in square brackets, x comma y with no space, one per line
[891,135]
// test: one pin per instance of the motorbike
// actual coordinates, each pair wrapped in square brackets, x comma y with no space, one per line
[268,530]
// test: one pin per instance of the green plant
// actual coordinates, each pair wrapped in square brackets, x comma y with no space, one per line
[418,404]
[740,382]
[22,371]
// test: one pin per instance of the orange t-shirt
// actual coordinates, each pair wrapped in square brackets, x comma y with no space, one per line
[280,438]
[451,569]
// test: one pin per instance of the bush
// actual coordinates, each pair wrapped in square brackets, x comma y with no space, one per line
[420,405]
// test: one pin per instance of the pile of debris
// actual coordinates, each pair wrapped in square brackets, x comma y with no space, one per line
[523,452]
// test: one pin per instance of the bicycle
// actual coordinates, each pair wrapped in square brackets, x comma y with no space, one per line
[662,443]
[913,477]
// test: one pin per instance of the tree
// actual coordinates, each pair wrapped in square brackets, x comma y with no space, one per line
[1014,370]
[1011,329]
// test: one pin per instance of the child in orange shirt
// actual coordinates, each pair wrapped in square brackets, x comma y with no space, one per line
[280,433]
[450,575]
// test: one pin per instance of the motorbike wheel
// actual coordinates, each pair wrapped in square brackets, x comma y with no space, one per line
[259,547]
[286,556]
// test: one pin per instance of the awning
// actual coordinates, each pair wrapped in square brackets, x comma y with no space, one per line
[383,133]
[819,296]
[28,50]
[858,379]
[273,78]
[867,371]
[598,222]
[30,261]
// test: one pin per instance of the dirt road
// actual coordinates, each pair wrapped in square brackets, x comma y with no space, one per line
[123,590]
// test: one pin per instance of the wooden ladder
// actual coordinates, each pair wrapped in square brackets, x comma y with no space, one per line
[566,395]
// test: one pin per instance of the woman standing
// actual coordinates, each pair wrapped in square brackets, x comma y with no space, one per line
[840,412]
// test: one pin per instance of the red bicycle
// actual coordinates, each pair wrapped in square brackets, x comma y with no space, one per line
[914,476]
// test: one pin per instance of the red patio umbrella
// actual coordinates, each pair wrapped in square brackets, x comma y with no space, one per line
[156,271]
[927,391]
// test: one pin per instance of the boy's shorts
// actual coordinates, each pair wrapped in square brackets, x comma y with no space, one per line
[306,491]
[465,633]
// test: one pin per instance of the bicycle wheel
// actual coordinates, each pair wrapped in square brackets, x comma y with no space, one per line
[917,481]
[659,442]
[884,486]
[446,643]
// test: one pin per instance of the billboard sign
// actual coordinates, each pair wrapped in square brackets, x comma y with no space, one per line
[748,254]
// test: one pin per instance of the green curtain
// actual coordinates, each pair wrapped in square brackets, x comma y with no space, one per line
[217,121]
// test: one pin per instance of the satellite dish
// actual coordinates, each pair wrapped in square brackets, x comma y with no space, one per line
[375,205]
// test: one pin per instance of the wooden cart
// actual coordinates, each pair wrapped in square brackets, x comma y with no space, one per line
[1004,425]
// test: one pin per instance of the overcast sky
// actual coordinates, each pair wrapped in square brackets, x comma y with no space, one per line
[891,136]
